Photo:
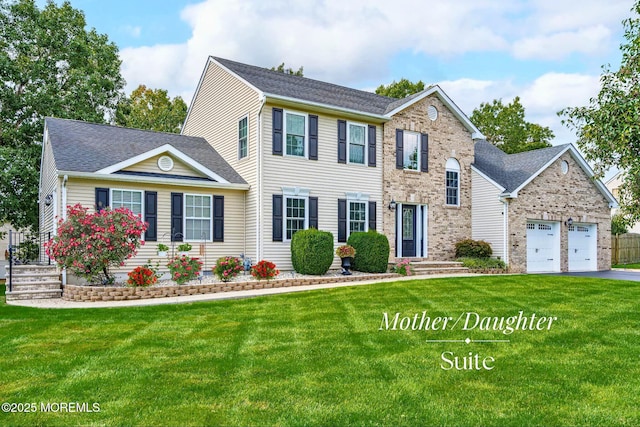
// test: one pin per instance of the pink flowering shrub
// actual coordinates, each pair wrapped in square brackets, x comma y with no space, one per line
[403,268]
[88,245]
[227,268]
[184,268]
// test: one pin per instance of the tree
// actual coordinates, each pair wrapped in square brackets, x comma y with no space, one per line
[506,128]
[281,69]
[151,109]
[608,129]
[618,225]
[400,89]
[49,66]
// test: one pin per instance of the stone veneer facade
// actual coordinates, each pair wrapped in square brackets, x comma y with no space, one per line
[447,138]
[554,196]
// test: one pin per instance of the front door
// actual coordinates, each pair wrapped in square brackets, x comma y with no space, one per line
[408,230]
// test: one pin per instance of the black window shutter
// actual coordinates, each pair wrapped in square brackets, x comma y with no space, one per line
[313,212]
[372,215]
[342,220]
[313,137]
[342,141]
[218,218]
[372,145]
[277,218]
[151,215]
[176,217]
[277,131]
[399,153]
[424,152]
[102,198]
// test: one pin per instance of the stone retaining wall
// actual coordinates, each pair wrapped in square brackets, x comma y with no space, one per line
[112,293]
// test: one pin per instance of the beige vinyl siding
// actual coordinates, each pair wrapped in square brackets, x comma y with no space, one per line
[49,184]
[151,166]
[325,179]
[83,192]
[221,101]
[487,214]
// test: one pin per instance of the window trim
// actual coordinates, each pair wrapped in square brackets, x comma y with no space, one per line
[453,169]
[357,198]
[285,133]
[240,156]
[418,150]
[294,193]
[111,190]
[184,217]
[365,145]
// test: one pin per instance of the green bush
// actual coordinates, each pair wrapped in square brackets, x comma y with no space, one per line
[473,249]
[372,251]
[312,251]
[482,263]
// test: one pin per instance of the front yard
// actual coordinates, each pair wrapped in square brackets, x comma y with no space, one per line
[320,358]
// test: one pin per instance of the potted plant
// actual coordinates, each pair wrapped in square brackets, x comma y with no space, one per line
[346,254]
[184,248]
[162,249]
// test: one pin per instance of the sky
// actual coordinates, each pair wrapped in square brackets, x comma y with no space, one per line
[550,53]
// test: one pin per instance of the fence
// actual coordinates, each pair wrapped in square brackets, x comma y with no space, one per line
[625,248]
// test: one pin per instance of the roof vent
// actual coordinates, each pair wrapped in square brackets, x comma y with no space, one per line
[165,163]
[432,112]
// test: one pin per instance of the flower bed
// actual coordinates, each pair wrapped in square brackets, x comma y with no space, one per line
[115,293]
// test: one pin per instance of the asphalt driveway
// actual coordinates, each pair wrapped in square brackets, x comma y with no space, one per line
[615,274]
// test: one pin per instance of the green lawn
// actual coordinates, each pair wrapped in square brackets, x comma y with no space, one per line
[634,266]
[319,358]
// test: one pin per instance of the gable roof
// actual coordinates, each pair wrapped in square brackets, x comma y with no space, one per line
[97,148]
[514,171]
[288,87]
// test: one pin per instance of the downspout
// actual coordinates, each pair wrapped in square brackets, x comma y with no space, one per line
[505,229]
[259,225]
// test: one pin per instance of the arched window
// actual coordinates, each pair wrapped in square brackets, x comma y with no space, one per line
[452,180]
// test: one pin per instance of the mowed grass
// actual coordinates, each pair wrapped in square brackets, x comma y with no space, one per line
[319,358]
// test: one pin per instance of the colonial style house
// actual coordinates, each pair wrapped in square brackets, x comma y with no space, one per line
[264,154]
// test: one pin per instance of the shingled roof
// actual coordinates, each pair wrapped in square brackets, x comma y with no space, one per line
[89,147]
[512,170]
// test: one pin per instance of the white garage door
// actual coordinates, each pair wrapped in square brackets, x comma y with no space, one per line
[543,247]
[583,247]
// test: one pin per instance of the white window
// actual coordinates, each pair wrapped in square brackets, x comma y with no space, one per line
[295,217]
[130,199]
[197,217]
[357,142]
[296,134]
[452,182]
[357,217]
[411,150]
[243,137]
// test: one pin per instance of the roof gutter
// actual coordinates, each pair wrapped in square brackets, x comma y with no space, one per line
[153,180]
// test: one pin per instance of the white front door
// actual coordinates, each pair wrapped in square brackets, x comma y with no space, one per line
[543,247]
[583,247]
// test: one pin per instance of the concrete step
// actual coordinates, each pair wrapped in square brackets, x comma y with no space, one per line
[34,282]
[29,286]
[34,294]
[34,278]
[449,270]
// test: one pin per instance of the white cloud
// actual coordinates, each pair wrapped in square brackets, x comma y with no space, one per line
[133,31]
[559,45]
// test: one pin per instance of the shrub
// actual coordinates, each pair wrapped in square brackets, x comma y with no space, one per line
[145,275]
[88,245]
[403,268]
[264,270]
[482,263]
[473,249]
[184,268]
[312,251]
[618,224]
[227,268]
[372,251]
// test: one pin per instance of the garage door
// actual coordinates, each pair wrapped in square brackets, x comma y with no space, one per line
[583,247]
[543,247]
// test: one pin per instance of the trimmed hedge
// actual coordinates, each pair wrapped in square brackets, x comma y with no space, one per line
[470,248]
[312,251]
[372,251]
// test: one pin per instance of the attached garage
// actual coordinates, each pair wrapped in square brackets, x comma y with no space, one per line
[583,247]
[543,247]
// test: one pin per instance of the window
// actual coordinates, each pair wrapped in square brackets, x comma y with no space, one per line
[357,217]
[452,182]
[197,216]
[243,137]
[411,150]
[295,215]
[296,132]
[130,199]
[357,143]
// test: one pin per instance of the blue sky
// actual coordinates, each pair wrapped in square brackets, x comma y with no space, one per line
[548,52]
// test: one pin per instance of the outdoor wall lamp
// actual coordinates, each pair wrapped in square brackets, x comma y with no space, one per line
[569,222]
[48,200]
[392,205]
